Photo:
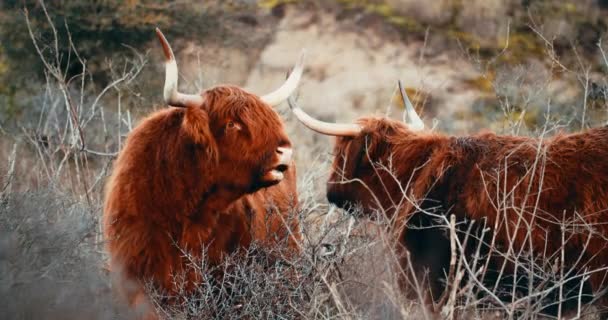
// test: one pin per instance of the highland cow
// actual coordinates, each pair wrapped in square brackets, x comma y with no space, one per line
[546,197]
[212,173]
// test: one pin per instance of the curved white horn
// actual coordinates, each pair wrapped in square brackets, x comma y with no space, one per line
[170,93]
[415,123]
[289,86]
[332,129]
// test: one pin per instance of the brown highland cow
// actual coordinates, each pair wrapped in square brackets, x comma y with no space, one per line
[545,197]
[211,173]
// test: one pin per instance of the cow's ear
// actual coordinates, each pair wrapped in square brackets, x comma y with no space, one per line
[196,126]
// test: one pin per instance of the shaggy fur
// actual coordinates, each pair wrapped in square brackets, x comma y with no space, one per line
[513,184]
[194,179]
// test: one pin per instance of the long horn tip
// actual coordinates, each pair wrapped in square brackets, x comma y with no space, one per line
[320,126]
[415,122]
[301,57]
[166,47]
[289,86]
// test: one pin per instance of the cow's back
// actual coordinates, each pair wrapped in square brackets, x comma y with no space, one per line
[561,181]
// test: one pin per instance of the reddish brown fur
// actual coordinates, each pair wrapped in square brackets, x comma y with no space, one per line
[185,180]
[466,175]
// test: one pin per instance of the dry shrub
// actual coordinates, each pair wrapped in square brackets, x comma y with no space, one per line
[50,263]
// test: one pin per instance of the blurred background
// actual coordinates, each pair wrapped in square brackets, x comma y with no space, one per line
[76,76]
[507,66]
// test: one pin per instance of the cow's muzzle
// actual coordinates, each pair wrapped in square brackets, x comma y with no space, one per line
[283,156]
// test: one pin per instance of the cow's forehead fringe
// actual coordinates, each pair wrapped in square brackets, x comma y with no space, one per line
[232,102]
[385,129]
[378,129]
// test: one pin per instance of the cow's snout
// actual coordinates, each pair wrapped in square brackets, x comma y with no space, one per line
[284,157]
[281,164]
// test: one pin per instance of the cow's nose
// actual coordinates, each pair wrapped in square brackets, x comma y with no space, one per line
[284,154]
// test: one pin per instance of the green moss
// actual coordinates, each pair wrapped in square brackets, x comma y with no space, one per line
[100,30]
[468,39]
[385,11]
[381,9]
[532,118]
[521,46]
[483,83]
[269,4]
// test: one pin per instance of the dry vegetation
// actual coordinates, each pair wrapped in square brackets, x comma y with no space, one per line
[57,152]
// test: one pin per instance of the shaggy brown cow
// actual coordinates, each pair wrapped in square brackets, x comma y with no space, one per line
[524,188]
[204,175]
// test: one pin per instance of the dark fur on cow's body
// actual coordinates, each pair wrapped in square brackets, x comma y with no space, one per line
[187,180]
[487,178]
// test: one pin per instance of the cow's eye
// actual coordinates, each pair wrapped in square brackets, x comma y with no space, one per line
[231,125]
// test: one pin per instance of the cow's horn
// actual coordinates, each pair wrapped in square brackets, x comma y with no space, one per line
[332,129]
[289,86]
[170,93]
[414,121]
